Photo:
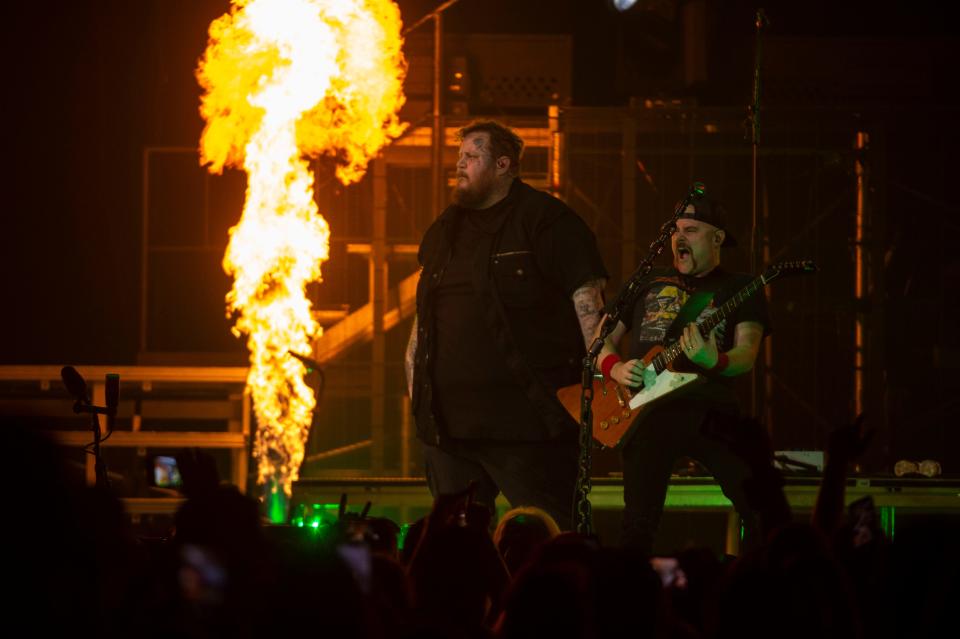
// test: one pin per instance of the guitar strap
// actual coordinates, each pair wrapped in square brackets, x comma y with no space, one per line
[688,313]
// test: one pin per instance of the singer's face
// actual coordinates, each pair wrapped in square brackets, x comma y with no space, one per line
[696,247]
[476,172]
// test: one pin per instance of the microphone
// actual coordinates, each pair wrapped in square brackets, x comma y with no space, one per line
[760,20]
[75,384]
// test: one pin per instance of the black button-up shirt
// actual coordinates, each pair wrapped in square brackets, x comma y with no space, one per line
[524,271]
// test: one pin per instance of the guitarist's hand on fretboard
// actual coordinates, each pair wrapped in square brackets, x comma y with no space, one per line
[702,352]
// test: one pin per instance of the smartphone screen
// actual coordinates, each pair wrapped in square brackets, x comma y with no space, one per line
[166,474]
[357,557]
[671,575]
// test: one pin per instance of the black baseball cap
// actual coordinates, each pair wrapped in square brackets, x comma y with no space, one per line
[711,212]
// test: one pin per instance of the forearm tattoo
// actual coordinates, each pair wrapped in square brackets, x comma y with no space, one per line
[588,302]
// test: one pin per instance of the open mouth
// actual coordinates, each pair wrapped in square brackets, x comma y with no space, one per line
[683,252]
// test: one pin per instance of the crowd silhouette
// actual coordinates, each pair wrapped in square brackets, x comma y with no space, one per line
[222,572]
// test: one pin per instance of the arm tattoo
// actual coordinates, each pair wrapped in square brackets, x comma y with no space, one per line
[411,353]
[588,302]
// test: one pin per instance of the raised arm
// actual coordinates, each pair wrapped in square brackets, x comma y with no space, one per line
[846,443]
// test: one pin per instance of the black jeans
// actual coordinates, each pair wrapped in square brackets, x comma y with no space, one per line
[541,474]
[680,429]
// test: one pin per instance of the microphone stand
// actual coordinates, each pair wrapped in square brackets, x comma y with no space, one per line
[760,21]
[100,467]
[625,299]
[77,387]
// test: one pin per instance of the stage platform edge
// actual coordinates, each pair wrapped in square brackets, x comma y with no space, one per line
[693,504]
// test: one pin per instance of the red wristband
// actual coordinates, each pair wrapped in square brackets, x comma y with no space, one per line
[723,360]
[607,364]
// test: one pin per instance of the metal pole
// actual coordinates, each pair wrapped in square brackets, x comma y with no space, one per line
[553,119]
[628,205]
[144,249]
[767,404]
[760,21]
[860,267]
[437,136]
[378,303]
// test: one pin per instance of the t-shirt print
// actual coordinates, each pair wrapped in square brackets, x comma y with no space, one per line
[662,304]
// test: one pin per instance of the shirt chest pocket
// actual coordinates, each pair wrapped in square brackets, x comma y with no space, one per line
[518,280]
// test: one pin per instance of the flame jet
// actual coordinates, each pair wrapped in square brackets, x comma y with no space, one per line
[284,81]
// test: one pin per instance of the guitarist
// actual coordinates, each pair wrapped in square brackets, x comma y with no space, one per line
[696,423]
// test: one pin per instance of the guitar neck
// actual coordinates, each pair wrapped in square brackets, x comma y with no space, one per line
[666,357]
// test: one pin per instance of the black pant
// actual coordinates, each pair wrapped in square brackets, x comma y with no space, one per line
[680,429]
[541,474]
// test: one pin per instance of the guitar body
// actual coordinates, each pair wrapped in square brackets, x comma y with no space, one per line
[616,408]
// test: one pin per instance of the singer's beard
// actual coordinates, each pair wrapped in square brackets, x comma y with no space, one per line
[473,195]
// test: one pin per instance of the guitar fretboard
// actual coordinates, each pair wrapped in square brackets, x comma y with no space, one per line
[667,355]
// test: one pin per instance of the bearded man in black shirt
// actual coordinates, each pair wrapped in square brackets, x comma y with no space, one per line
[508,298]
[703,422]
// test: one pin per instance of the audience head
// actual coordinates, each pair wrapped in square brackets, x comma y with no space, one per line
[520,532]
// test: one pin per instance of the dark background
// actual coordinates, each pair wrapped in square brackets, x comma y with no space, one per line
[89,85]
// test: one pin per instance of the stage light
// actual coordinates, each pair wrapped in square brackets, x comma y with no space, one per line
[623,5]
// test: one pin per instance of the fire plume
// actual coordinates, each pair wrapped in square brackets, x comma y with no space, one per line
[284,81]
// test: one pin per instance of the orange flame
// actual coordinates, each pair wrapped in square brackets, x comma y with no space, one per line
[285,80]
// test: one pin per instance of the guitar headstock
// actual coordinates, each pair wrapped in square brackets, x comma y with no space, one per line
[787,269]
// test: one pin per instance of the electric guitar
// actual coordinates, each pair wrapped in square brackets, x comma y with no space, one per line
[616,407]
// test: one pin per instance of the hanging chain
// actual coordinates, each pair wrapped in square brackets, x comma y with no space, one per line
[582,507]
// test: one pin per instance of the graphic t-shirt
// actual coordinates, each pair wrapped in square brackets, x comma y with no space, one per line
[654,319]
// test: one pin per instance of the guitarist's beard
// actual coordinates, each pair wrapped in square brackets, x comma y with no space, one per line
[698,263]
[690,265]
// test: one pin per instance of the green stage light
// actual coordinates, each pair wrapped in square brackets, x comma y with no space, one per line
[888,520]
[315,516]
[402,535]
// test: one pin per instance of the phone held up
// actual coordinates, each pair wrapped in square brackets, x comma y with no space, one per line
[163,471]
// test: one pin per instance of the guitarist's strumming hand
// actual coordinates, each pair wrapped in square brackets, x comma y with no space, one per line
[701,352]
[632,373]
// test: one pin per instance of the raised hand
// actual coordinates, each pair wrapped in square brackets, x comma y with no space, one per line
[452,509]
[848,442]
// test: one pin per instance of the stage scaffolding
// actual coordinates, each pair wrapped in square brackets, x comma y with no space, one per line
[621,169]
